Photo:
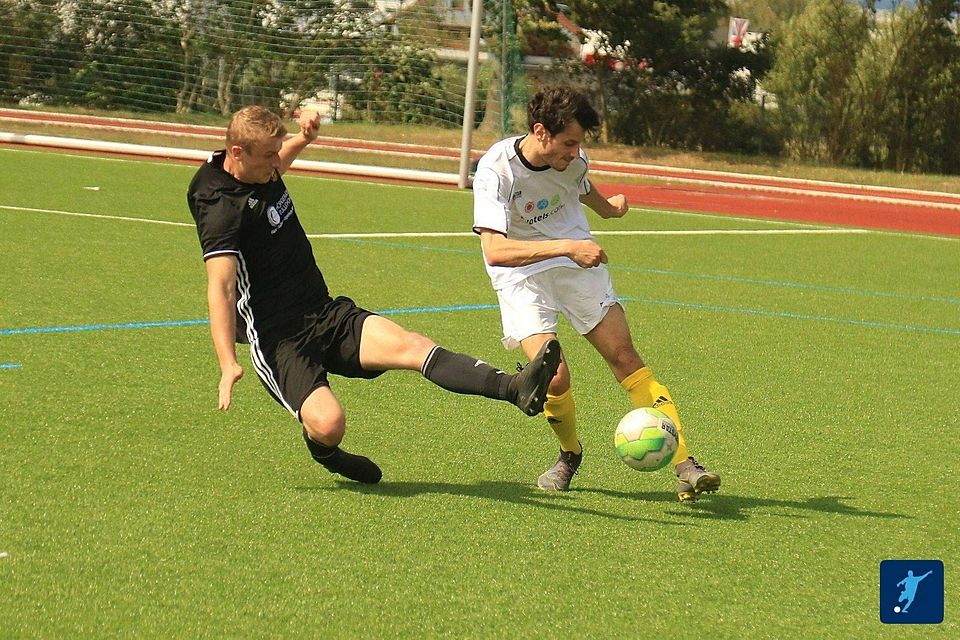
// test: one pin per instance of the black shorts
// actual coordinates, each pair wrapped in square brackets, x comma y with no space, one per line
[292,367]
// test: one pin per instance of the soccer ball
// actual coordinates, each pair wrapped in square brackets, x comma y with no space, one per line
[646,439]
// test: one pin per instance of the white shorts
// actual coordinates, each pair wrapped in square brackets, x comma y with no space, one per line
[532,305]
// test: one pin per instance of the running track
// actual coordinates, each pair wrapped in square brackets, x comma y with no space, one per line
[681,189]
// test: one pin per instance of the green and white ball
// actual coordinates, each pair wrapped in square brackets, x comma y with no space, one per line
[646,439]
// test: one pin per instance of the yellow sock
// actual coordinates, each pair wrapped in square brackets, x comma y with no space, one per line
[561,413]
[645,391]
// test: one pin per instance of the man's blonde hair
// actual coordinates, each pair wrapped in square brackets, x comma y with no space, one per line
[252,124]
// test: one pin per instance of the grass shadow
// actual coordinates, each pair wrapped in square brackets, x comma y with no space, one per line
[509,492]
[734,507]
[718,506]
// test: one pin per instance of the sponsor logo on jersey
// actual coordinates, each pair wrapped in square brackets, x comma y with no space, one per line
[548,207]
[539,218]
[273,216]
[252,203]
[516,195]
[279,213]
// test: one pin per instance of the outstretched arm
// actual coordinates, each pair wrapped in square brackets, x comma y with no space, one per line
[222,301]
[614,207]
[309,130]
[500,251]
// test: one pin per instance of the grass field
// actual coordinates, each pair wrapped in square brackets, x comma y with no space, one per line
[816,369]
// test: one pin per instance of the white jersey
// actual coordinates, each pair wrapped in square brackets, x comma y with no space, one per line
[529,203]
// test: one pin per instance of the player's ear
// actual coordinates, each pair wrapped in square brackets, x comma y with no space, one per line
[540,132]
[235,151]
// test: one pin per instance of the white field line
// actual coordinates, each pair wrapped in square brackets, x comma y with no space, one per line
[680,232]
[461,234]
[96,215]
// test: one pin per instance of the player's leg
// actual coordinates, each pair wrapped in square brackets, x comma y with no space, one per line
[385,345]
[561,415]
[324,423]
[293,373]
[612,339]
[529,314]
[559,409]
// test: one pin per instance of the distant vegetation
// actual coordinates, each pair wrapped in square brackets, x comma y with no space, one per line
[827,81]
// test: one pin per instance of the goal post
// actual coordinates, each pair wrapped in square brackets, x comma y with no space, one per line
[470,94]
[406,62]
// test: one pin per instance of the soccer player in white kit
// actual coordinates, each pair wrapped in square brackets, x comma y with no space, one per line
[542,260]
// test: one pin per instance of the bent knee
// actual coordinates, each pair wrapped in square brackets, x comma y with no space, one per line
[414,349]
[326,428]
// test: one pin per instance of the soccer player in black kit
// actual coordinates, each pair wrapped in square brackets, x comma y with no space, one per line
[262,278]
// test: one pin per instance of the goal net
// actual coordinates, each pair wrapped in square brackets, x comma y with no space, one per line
[397,61]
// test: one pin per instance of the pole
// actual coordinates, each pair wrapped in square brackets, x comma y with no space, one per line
[504,68]
[469,100]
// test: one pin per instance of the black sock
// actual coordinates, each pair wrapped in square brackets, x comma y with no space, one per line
[461,373]
[336,460]
[320,452]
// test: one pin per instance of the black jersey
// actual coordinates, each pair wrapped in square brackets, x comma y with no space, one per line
[278,280]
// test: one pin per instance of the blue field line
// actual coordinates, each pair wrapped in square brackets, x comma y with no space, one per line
[464,307]
[485,307]
[9,365]
[789,285]
[187,323]
[101,327]
[796,316]
[694,275]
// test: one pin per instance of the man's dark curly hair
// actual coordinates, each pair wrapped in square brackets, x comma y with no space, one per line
[557,106]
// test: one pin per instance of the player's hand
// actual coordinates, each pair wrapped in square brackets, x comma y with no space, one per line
[309,124]
[619,205]
[588,253]
[228,377]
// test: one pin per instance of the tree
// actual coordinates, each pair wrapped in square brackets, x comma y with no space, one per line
[664,75]
[769,16]
[872,88]
[909,67]
[820,96]
[664,32]
[29,60]
[195,19]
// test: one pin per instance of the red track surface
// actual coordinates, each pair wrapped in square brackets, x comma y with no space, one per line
[740,195]
[824,208]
